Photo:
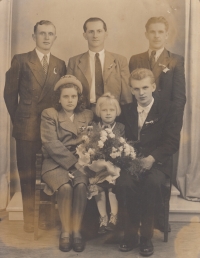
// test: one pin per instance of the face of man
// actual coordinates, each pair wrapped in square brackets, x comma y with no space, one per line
[157,35]
[95,35]
[44,37]
[143,89]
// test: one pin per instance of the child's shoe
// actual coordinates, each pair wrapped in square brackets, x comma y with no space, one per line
[103,224]
[112,222]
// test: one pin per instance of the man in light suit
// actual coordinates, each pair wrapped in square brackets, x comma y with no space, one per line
[168,68]
[28,90]
[98,70]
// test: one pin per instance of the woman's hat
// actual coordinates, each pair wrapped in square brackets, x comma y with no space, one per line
[68,79]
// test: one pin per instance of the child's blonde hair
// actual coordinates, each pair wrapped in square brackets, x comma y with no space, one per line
[108,98]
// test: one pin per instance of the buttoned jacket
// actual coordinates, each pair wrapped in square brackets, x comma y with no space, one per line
[60,137]
[115,75]
[28,91]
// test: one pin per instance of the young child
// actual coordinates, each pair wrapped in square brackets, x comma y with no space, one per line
[107,109]
[62,128]
[154,122]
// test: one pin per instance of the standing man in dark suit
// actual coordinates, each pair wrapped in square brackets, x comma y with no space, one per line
[152,123]
[98,70]
[28,90]
[168,68]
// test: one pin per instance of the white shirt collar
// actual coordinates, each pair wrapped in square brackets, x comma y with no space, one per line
[41,55]
[158,52]
[92,54]
[146,109]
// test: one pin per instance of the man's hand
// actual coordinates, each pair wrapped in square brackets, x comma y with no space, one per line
[147,163]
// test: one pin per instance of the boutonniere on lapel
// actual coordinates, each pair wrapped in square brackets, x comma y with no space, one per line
[110,66]
[151,122]
[166,69]
[55,70]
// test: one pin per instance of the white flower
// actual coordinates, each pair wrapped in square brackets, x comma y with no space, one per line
[100,144]
[108,130]
[118,154]
[133,155]
[91,151]
[103,133]
[113,155]
[127,152]
[121,148]
[112,135]
[103,138]
[85,138]
[80,149]
[84,159]
[122,140]
[114,149]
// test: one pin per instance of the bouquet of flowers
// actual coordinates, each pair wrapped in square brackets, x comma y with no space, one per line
[103,154]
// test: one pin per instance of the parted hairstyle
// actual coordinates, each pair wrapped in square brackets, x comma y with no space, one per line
[94,19]
[141,73]
[41,23]
[107,98]
[56,97]
[160,19]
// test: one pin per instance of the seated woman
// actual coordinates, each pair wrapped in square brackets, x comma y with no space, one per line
[62,128]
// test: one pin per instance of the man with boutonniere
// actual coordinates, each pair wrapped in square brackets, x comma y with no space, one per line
[168,68]
[28,91]
[98,70]
[151,122]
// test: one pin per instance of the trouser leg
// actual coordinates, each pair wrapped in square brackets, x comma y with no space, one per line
[26,157]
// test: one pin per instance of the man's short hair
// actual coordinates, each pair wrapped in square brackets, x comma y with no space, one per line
[160,19]
[107,98]
[141,73]
[94,19]
[41,23]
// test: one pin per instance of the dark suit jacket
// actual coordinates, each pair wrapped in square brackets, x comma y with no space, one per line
[170,85]
[60,137]
[115,75]
[159,136]
[28,91]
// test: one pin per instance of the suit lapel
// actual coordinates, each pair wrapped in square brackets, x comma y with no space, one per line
[36,68]
[51,76]
[84,66]
[109,65]
[66,123]
[161,63]
[145,60]
[152,117]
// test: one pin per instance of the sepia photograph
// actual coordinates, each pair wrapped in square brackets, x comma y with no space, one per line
[100,128]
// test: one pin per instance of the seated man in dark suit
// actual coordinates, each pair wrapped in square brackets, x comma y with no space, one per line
[152,123]
[168,68]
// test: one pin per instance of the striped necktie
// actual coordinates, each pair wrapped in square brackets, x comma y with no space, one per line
[45,64]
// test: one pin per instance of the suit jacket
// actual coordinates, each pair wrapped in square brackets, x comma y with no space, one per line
[60,136]
[159,136]
[28,91]
[115,75]
[170,85]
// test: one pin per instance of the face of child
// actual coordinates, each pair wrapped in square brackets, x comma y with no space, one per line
[108,113]
[68,99]
[143,89]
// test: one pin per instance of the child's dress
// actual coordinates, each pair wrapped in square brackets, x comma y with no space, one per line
[105,178]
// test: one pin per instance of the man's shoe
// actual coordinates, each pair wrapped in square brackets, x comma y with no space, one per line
[127,245]
[78,244]
[146,246]
[65,244]
[28,228]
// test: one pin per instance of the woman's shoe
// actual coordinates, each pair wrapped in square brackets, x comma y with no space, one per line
[65,244]
[112,222]
[78,244]
[103,224]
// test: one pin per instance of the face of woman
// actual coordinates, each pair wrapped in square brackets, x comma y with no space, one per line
[69,99]
[108,113]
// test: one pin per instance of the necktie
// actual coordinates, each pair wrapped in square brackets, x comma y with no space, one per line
[45,64]
[152,59]
[98,77]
